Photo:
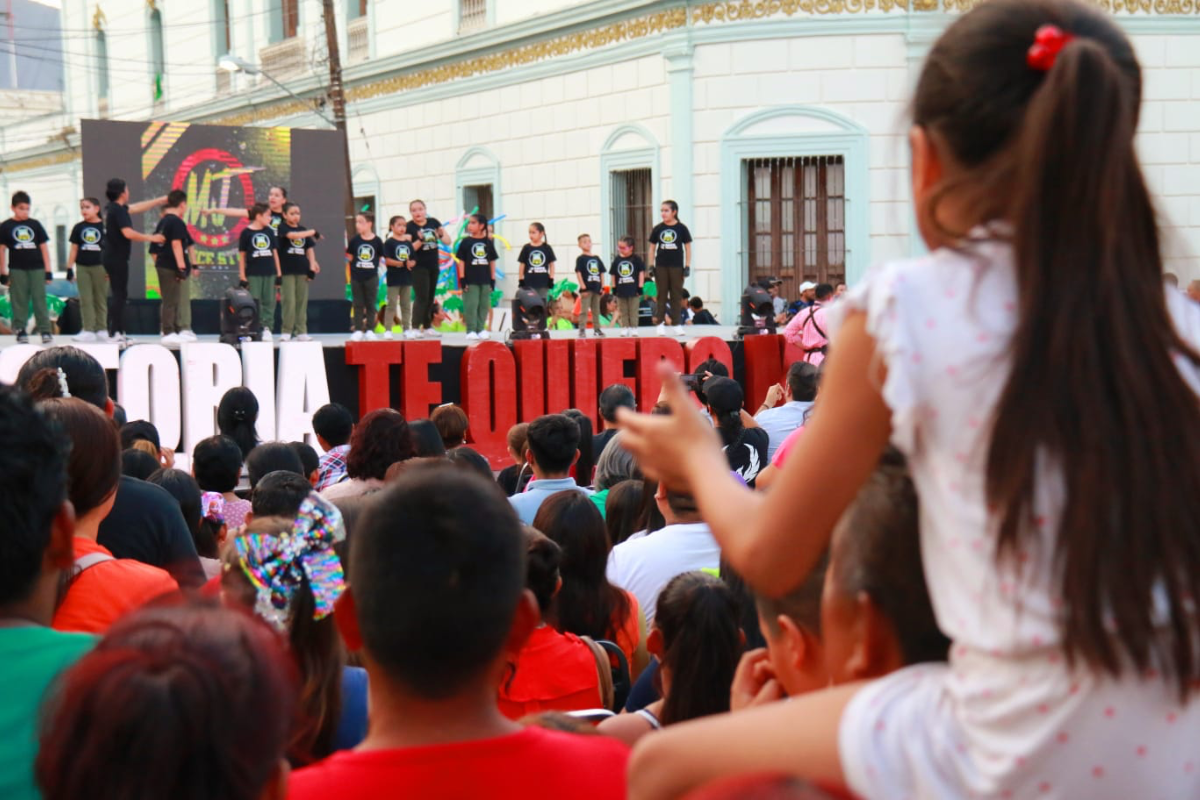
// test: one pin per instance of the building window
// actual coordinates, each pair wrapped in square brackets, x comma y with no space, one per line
[60,245]
[472,15]
[284,19]
[222,37]
[158,65]
[479,195]
[102,87]
[632,208]
[796,220]
[356,8]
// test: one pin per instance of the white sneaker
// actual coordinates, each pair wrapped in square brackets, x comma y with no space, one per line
[304,337]
[388,335]
[679,330]
[412,333]
[286,337]
[188,336]
[85,336]
[266,337]
[485,334]
[357,336]
[172,338]
[661,330]
[433,333]
[122,340]
[472,336]
[370,337]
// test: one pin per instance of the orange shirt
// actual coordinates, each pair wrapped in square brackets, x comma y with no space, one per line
[107,591]
[554,672]
[628,632]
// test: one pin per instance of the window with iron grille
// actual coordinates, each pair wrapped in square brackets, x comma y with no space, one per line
[632,209]
[796,220]
[60,245]
[472,15]
[479,195]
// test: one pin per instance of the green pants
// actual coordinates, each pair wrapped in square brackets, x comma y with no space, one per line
[477,301]
[363,314]
[183,317]
[424,289]
[295,304]
[589,302]
[262,287]
[628,306]
[93,296]
[175,297]
[25,285]
[399,299]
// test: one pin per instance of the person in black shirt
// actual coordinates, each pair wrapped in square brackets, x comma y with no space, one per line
[426,233]
[671,255]
[745,447]
[399,256]
[85,259]
[700,314]
[118,233]
[174,267]
[365,254]
[537,262]
[476,258]
[23,241]
[629,275]
[258,264]
[297,263]
[589,271]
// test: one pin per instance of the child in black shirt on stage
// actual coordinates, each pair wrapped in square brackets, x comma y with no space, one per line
[537,262]
[365,254]
[671,255]
[589,270]
[258,264]
[629,275]
[173,266]
[23,242]
[298,265]
[476,258]
[399,256]
[87,244]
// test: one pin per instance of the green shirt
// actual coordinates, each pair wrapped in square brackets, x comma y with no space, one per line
[31,657]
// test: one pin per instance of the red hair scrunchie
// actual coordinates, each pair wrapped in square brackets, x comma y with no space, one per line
[1048,42]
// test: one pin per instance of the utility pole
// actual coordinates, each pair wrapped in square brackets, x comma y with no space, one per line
[337,96]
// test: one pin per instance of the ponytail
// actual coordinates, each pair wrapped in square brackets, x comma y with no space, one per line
[697,616]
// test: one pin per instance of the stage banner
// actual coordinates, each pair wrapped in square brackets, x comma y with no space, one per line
[221,167]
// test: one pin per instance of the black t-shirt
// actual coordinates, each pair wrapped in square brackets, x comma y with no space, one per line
[537,260]
[704,317]
[259,247]
[514,479]
[670,240]
[88,238]
[293,251]
[747,455]
[23,240]
[275,223]
[625,273]
[476,255]
[173,229]
[146,524]
[116,220]
[399,250]
[365,257]
[427,255]
[591,272]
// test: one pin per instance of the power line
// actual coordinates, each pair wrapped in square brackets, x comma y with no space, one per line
[139,31]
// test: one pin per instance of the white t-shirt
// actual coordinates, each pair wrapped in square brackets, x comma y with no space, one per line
[644,566]
[780,421]
[1006,718]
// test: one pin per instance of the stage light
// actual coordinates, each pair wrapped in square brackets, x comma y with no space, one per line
[758,312]
[528,315]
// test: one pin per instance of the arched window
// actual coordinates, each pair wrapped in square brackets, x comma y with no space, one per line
[102,87]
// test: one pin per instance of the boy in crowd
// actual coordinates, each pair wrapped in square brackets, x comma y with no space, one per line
[613,397]
[629,276]
[35,550]
[173,265]
[258,264]
[589,271]
[27,271]
[365,254]
[439,610]
[700,314]
[86,259]
[553,448]
[333,425]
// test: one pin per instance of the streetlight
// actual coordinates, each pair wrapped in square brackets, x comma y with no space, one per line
[232,63]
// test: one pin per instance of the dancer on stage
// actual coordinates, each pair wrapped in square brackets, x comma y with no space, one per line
[537,262]
[426,233]
[298,263]
[118,233]
[86,257]
[671,255]
[589,270]
[258,264]
[398,256]
[277,199]
[174,265]
[23,245]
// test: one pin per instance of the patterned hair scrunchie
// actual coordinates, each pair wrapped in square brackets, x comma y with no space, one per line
[278,564]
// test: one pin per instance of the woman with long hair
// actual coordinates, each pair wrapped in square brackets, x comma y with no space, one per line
[379,440]
[237,415]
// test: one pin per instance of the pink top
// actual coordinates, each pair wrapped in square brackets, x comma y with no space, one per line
[785,448]
[804,332]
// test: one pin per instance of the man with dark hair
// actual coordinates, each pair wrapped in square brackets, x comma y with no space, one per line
[278,494]
[553,447]
[333,424]
[644,565]
[269,457]
[309,460]
[439,610]
[118,233]
[797,394]
[613,397]
[36,547]
[706,370]
[145,523]
[807,330]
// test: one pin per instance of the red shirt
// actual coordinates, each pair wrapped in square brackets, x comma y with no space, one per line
[530,764]
[107,591]
[555,672]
